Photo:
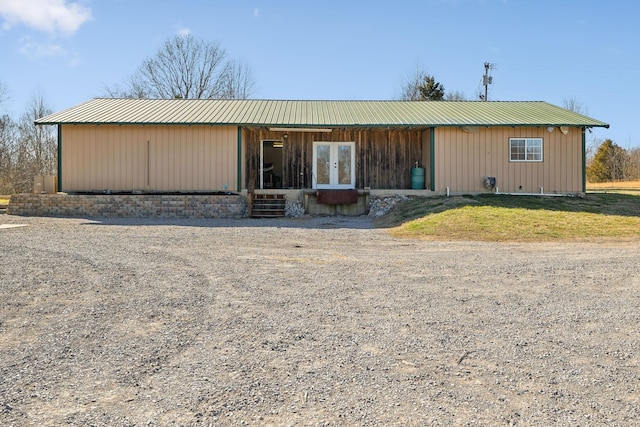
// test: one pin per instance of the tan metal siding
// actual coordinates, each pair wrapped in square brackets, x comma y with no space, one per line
[463,159]
[148,158]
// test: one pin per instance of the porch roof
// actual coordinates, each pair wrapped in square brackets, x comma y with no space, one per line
[316,114]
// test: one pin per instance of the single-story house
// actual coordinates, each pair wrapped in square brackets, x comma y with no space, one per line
[329,151]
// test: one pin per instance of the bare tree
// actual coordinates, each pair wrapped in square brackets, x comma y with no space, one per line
[455,96]
[26,150]
[188,68]
[8,138]
[4,93]
[36,149]
[7,143]
[410,85]
[634,164]
[573,104]
[237,80]
[130,88]
[591,148]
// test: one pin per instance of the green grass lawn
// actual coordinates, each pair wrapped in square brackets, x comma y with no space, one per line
[517,218]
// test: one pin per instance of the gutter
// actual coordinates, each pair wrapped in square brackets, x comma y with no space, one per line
[336,125]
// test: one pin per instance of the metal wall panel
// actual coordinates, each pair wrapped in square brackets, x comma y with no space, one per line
[463,159]
[148,158]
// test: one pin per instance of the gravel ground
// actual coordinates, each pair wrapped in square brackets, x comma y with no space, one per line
[311,321]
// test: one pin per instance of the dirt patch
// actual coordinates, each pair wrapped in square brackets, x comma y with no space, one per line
[313,321]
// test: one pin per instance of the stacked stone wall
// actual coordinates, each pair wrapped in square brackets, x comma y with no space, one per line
[129,205]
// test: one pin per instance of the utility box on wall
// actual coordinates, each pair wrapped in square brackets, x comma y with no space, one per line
[45,184]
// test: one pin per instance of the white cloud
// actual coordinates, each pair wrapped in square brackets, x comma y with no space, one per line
[52,16]
[36,50]
[183,32]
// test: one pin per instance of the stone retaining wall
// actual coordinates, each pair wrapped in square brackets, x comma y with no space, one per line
[129,205]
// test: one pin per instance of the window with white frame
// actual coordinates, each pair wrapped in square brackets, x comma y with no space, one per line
[525,149]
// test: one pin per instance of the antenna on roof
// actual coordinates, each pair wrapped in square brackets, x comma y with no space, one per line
[487,80]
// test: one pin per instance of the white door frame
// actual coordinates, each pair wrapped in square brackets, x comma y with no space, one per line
[334,171]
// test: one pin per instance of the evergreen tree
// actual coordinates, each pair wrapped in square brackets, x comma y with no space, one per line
[430,90]
[609,163]
[422,87]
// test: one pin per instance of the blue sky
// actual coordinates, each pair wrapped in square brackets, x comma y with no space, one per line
[549,50]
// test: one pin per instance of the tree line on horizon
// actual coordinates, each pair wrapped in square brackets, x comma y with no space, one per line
[189,68]
[610,162]
[26,150]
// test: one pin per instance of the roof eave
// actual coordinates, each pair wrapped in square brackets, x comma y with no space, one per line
[333,125]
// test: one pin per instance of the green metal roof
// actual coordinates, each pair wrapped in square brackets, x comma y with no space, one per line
[282,113]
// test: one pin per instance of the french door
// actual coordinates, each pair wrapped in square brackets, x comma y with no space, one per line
[334,165]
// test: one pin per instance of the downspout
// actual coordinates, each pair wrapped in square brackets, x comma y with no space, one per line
[584,161]
[59,157]
[432,159]
[239,184]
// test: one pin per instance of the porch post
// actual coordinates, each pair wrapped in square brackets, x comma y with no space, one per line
[432,159]
[239,159]
[584,161]
[59,157]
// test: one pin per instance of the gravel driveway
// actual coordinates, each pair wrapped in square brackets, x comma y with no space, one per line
[312,321]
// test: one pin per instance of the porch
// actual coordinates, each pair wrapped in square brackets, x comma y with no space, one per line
[336,159]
